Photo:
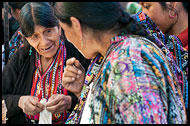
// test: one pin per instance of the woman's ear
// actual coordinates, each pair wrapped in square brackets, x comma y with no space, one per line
[76,26]
[172,4]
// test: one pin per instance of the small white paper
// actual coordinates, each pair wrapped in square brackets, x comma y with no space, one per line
[45,115]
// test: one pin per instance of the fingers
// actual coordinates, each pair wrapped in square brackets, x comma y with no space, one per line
[73,76]
[53,100]
[71,71]
[67,80]
[59,103]
[31,105]
[54,108]
[35,102]
[30,108]
[78,65]
[74,62]
[70,61]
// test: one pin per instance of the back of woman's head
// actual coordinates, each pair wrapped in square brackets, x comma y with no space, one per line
[99,16]
[36,13]
[96,15]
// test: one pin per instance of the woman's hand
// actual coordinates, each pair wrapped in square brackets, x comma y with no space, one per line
[30,105]
[73,76]
[58,103]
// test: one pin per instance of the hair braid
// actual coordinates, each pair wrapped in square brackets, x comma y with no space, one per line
[128,25]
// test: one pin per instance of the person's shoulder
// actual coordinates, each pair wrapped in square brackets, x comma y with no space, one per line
[132,41]
[21,54]
[18,59]
[129,46]
[138,40]
[134,44]
[17,36]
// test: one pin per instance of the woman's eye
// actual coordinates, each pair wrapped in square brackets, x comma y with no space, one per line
[35,36]
[146,6]
[48,31]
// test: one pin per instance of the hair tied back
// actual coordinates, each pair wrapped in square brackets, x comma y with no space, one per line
[124,18]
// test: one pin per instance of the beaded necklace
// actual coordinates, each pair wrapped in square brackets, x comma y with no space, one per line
[93,73]
[44,86]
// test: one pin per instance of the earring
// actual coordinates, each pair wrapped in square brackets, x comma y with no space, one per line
[172,13]
[30,51]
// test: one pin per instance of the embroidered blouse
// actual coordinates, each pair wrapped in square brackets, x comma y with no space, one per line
[136,85]
[137,82]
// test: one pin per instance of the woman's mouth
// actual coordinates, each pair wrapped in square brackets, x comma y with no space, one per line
[48,48]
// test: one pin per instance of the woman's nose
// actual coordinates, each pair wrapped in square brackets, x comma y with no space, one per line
[44,40]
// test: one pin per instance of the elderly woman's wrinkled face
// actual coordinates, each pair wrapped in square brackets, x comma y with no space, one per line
[45,40]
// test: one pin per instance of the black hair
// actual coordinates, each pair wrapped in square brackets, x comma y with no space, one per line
[92,14]
[36,13]
[100,16]
[16,5]
[185,5]
[164,6]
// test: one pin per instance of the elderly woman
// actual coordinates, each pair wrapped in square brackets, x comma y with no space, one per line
[35,71]
[129,79]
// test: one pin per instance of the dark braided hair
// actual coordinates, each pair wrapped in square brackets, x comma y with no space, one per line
[129,25]
[100,17]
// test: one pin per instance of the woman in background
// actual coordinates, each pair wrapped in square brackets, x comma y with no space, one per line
[170,17]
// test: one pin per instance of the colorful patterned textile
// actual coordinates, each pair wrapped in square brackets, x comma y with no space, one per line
[50,82]
[15,43]
[76,114]
[136,85]
[172,47]
[140,81]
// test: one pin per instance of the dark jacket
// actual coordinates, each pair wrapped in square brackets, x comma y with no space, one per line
[17,80]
